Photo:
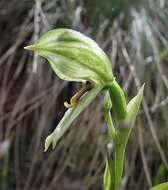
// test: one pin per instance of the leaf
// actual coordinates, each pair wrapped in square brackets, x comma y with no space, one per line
[107,102]
[133,107]
[69,117]
[163,186]
[160,174]
[124,131]
[108,178]
[74,57]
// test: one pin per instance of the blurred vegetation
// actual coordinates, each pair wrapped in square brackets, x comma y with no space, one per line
[134,35]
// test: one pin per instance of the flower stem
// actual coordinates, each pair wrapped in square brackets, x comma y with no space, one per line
[119,161]
[118,100]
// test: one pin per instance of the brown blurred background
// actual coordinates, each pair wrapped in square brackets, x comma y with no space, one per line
[134,35]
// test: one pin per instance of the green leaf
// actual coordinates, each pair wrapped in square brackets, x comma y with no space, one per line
[133,107]
[69,117]
[160,174]
[107,102]
[108,178]
[123,134]
[163,186]
[74,57]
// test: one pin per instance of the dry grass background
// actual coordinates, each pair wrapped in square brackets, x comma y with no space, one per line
[134,35]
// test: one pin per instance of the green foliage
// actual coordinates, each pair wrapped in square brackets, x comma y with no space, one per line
[163,186]
[123,134]
[133,107]
[160,174]
[108,179]
[120,136]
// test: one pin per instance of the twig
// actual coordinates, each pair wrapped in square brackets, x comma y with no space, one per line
[144,161]
[36,31]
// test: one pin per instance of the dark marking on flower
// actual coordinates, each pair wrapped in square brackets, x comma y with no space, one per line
[75,99]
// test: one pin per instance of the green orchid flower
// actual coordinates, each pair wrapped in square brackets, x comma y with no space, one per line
[75,57]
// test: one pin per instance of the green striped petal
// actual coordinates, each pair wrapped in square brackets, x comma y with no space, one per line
[69,116]
[74,57]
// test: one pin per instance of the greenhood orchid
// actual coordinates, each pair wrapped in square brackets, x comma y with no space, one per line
[75,57]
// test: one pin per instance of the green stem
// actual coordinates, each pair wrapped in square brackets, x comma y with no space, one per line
[119,164]
[109,176]
[118,100]
[124,128]
[120,143]
[111,129]
[120,147]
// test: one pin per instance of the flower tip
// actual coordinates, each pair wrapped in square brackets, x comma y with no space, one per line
[45,149]
[143,86]
[48,141]
[31,47]
[141,90]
